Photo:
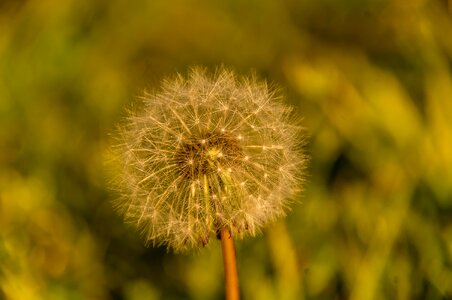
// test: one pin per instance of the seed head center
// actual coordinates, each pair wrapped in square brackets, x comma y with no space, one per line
[208,153]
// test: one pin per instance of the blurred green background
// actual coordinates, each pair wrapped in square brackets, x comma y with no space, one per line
[372,78]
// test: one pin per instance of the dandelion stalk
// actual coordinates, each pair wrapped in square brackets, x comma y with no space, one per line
[208,154]
[231,279]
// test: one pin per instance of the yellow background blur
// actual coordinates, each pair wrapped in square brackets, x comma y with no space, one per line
[372,78]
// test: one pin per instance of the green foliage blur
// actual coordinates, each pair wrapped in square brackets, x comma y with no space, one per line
[372,78]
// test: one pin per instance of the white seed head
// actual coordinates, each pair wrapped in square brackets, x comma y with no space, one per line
[208,151]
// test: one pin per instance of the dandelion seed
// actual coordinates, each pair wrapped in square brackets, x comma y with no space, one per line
[187,171]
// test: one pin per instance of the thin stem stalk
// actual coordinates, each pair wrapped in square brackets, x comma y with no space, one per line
[230,265]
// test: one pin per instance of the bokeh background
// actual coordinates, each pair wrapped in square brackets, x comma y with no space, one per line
[372,78]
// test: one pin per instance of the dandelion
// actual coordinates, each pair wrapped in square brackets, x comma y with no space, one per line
[208,155]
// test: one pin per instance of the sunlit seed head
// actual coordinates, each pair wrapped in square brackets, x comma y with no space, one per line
[187,170]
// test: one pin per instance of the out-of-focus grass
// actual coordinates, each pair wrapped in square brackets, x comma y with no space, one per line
[373,80]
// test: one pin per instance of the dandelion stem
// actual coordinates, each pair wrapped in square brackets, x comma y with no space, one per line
[230,265]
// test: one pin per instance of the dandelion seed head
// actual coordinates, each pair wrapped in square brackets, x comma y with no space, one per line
[186,169]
